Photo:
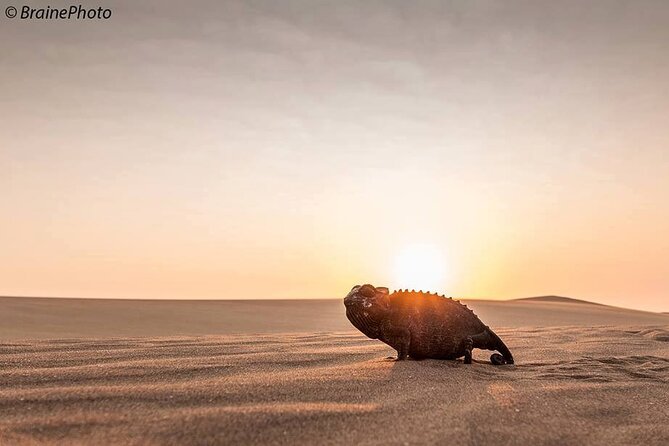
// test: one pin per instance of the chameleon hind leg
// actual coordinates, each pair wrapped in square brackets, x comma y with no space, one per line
[469,345]
[480,340]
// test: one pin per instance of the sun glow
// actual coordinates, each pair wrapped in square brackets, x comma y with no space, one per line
[420,267]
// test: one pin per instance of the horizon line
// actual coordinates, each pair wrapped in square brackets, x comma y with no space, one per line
[546,297]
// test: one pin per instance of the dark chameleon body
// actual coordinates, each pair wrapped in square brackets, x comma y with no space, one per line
[421,325]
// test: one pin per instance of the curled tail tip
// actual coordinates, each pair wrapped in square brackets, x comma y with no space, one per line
[497,359]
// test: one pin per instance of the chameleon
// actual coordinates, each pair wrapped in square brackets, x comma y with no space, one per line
[422,325]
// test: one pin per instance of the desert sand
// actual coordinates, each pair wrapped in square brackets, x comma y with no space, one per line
[295,372]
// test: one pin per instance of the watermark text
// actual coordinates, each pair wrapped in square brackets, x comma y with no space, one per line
[72,12]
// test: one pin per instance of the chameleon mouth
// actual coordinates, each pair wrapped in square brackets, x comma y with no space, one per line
[361,319]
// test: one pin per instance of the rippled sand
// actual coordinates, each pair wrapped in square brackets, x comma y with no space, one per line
[605,385]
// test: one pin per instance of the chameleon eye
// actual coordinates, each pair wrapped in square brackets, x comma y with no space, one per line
[367,291]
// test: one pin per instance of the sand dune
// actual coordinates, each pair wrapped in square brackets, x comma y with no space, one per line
[576,384]
[559,299]
[40,318]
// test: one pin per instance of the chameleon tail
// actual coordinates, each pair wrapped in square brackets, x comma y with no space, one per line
[498,344]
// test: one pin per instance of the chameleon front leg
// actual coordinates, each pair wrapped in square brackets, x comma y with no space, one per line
[403,349]
[398,338]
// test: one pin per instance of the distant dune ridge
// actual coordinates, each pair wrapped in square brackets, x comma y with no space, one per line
[46,318]
[559,299]
[172,372]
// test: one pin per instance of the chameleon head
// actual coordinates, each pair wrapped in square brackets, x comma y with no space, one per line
[366,307]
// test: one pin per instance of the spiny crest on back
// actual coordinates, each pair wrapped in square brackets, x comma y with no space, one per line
[406,297]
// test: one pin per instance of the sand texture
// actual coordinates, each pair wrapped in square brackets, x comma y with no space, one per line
[603,384]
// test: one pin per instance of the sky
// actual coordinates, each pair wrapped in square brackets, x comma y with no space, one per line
[293,149]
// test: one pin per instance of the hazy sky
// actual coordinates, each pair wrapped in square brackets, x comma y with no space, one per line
[250,149]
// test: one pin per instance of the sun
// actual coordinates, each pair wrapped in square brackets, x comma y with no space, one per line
[420,267]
